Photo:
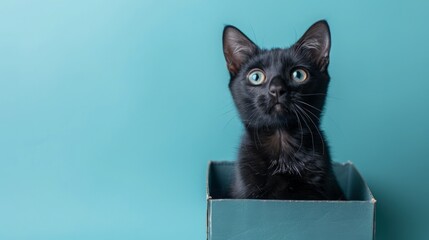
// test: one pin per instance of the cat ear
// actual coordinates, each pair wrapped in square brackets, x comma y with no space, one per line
[237,48]
[316,42]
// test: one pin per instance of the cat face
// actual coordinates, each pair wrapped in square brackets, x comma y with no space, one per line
[278,87]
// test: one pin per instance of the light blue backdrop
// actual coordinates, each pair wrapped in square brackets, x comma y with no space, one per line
[109,112]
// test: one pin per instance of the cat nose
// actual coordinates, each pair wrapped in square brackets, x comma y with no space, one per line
[277,87]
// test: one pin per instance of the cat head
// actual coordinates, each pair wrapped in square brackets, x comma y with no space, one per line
[278,87]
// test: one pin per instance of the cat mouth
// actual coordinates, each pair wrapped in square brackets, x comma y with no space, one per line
[277,108]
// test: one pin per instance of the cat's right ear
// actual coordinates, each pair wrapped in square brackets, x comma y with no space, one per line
[237,48]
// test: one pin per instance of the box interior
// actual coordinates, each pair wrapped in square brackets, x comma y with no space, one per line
[354,187]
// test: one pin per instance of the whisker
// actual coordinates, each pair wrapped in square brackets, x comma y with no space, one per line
[309,105]
[320,94]
[252,117]
[229,121]
[313,94]
[311,132]
[325,115]
[314,115]
[300,125]
[317,129]
[227,112]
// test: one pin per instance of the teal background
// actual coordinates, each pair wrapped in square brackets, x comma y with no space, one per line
[110,111]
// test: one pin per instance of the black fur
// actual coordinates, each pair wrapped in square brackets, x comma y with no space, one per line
[283,153]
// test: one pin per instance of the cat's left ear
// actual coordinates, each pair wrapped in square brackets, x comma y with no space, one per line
[316,42]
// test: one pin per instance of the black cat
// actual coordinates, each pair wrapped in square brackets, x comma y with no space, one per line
[280,94]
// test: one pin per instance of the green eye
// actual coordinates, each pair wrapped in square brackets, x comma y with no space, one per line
[299,75]
[256,76]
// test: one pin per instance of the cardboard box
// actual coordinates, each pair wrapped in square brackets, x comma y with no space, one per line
[253,219]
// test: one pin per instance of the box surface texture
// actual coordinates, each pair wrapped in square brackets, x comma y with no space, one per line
[253,219]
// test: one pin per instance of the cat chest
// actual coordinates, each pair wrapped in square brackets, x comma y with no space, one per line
[280,144]
[283,185]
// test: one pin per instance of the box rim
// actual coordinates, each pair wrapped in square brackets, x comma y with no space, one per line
[226,162]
